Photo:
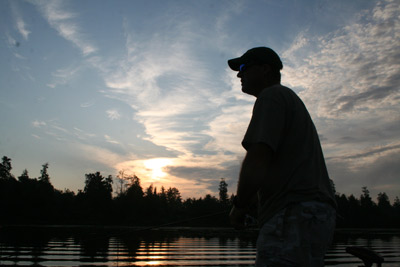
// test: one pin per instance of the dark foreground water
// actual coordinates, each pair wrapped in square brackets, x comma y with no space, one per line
[94,246]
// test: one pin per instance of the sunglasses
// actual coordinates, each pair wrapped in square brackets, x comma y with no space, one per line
[244,67]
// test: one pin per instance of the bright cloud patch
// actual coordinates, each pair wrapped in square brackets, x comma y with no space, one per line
[113,114]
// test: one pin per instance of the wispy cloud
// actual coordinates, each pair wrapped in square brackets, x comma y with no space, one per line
[54,129]
[168,86]
[63,76]
[19,21]
[352,74]
[111,140]
[370,154]
[354,69]
[113,114]
[158,80]
[82,135]
[349,79]
[38,124]
[87,104]
[228,129]
[36,136]
[62,20]
[11,41]
[377,168]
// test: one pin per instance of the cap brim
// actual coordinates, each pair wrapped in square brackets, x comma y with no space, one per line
[235,63]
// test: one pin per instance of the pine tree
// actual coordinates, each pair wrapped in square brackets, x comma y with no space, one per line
[223,191]
[44,176]
[5,169]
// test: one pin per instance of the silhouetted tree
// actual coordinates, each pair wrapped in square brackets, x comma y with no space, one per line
[150,191]
[45,187]
[332,186]
[24,177]
[383,201]
[368,208]
[34,200]
[384,211]
[44,175]
[396,211]
[353,217]
[343,209]
[96,198]
[396,203]
[365,199]
[173,196]
[8,190]
[5,169]
[134,191]
[223,191]
[129,203]
[98,187]
[122,182]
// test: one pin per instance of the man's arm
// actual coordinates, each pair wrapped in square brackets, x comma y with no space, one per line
[253,174]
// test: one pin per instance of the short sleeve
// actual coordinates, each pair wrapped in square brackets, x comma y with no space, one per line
[267,122]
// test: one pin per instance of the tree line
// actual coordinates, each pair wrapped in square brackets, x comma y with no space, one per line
[26,200]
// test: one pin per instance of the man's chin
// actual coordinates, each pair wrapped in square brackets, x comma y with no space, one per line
[246,90]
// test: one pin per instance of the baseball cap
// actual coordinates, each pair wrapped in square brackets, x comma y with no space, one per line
[261,55]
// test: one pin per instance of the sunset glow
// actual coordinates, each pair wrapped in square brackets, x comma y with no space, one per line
[156,167]
[144,87]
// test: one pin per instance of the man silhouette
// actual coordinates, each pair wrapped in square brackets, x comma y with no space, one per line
[284,167]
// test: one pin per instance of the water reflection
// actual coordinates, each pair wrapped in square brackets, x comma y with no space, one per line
[127,247]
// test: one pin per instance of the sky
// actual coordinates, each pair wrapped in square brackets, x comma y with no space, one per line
[143,87]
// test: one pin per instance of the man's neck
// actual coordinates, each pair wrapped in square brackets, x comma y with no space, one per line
[266,86]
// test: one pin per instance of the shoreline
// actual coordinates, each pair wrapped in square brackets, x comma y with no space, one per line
[179,228]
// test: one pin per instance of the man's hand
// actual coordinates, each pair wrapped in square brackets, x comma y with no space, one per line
[237,218]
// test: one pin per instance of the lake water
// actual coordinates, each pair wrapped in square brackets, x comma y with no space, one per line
[89,246]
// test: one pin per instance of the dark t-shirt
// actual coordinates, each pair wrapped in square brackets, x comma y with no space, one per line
[298,170]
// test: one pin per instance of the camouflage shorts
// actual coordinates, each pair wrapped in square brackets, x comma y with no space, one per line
[298,235]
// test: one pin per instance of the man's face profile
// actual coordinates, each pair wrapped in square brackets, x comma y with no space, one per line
[252,78]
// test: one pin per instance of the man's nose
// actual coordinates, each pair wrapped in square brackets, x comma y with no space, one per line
[239,75]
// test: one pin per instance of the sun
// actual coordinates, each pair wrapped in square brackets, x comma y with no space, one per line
[156,167]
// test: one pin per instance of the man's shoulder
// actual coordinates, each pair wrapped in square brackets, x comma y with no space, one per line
[279,93]
[276,89]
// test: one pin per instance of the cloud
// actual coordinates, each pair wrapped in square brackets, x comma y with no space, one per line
[354,69]
[105,158]
[11,41]
[228,129]
[62,20]
[172,99]
[377,169]
[19,56]
[38,124]
[82,135]
[109,139]
[88,104]
[100,144]
[63,76]
[113,114]
[229,12]
[19,22]
[371,152]
[349,80]
[166,85]
[36,136]
[300,41]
